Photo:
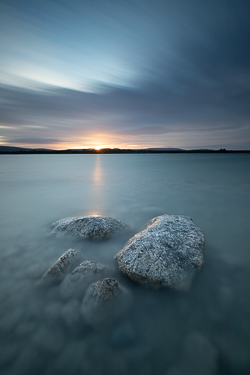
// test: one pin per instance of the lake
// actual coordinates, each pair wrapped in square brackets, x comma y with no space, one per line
[203,331]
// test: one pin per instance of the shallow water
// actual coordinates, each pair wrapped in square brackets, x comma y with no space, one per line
[203,331]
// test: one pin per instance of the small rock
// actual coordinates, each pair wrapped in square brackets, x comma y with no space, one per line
[89,227]
[167,253]
[75,284]
[105,300]
[68,261]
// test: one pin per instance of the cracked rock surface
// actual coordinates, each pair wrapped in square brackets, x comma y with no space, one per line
[68,261]
[167,253]
[89,227]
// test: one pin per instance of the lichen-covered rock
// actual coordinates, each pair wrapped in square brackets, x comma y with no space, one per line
[105,301]
[89,227]
[167,253]
[76,283]
[68,261]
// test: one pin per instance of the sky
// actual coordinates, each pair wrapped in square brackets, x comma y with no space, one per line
[128,74]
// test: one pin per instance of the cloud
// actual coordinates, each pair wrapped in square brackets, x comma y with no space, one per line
[33,140]
[160,68]
[147,130]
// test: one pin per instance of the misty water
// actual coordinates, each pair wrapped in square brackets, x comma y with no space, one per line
[203,331]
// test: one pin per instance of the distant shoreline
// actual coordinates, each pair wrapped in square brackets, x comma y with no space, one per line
[22,151]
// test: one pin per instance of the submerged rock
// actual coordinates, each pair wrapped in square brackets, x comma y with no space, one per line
[104,301]
[75,284]
[123,335]
[167,253]
[198,357]
[89,227]
[71,312]
[68,261]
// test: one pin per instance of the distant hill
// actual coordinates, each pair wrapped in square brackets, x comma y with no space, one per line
[11,149]
[165,149]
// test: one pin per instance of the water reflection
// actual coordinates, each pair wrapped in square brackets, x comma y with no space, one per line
[97,195]
[97,176]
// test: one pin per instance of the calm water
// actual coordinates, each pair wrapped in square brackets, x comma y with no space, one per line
[203,331]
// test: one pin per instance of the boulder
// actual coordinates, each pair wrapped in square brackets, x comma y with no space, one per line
[167,253]
[89,227]
[105,301]
[76,283]
[68,261]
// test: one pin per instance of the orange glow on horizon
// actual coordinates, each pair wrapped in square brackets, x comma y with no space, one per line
[96,142]
[88,140]
[100,147]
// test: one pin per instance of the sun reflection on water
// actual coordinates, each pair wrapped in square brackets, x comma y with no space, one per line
[97,173]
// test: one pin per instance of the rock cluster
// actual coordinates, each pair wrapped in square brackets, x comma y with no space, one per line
[89,227]
[167,253]
[76,283]
[102,301]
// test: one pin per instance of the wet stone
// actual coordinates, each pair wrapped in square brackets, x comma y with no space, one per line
[105,301]
[89,227]
[167,253]
[76,283]
[68,261]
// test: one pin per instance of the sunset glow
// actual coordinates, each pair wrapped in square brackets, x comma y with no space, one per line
[106,75]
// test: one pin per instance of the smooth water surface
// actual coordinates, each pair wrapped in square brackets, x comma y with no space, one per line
[203,331]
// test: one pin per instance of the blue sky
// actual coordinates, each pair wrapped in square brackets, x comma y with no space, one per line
[111,73]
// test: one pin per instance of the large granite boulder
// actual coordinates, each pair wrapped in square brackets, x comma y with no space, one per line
[66,263]
[76,283]
[167,253]
[104,302]
[90,227]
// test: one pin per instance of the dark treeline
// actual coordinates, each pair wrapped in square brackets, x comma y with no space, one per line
[117,151]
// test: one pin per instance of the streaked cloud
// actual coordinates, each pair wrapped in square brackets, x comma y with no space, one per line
[166,73]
